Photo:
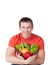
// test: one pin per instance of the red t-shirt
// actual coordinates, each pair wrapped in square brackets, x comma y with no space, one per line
[34,39]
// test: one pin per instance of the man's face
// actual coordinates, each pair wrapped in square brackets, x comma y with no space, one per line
[26,28]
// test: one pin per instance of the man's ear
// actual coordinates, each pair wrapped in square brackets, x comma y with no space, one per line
[32,28]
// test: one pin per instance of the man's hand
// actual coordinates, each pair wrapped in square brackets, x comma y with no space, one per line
[31,59]
[20,57]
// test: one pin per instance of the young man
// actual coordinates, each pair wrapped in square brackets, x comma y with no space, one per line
[26,27]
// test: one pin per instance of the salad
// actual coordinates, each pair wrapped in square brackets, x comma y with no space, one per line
[26,50]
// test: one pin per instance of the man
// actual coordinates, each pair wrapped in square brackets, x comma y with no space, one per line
[26,27]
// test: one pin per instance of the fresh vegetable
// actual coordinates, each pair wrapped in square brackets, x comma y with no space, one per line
[27,54]
[24,50]
[34,48]
[27,46]
[27,50]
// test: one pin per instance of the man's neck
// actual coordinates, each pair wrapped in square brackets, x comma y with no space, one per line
[26,37]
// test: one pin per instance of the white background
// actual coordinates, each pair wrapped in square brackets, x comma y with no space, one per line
[40,11]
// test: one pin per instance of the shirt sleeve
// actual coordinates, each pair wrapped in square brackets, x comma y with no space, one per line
[12,41]
[41,44]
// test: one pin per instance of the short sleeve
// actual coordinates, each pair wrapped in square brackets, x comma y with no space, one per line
[41,44]
[13,41]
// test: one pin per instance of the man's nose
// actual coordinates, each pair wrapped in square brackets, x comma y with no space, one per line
[26,29]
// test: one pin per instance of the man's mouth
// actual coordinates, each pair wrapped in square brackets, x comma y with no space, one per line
[26,33]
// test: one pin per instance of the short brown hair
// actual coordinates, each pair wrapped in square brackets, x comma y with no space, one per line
[25,19]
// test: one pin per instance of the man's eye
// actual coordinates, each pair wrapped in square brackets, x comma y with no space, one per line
[23,27]
[29,27]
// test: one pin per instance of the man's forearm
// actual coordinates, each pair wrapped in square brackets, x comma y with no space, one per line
[39,61]
[14,60]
